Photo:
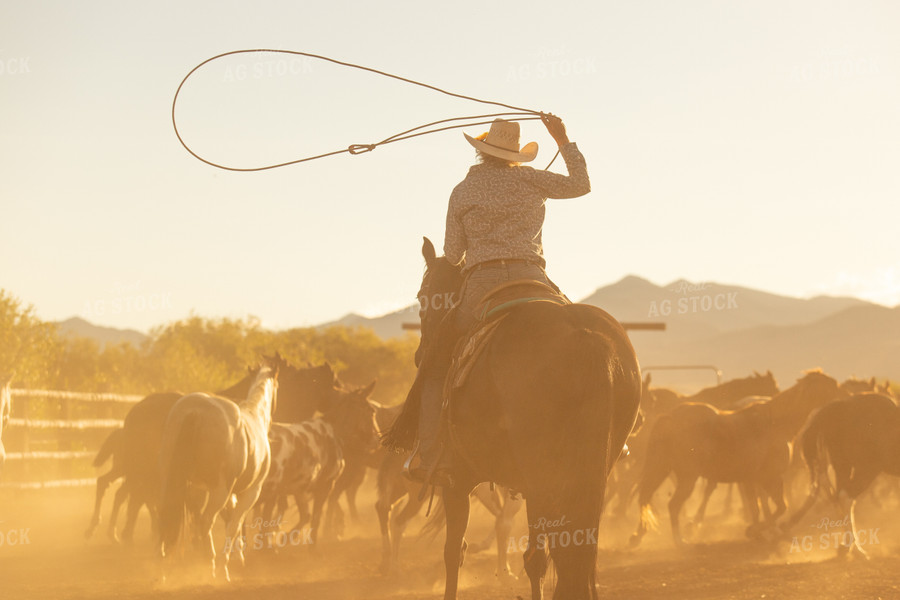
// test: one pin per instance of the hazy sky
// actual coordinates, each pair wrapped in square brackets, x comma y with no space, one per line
[751,143]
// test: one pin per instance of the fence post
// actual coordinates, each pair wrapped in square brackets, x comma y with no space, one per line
[26,435]
[64,439]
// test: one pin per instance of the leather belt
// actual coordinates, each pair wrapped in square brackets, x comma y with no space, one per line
[502,262]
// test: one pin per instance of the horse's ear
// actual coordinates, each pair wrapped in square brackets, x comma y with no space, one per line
[367,391]
[428,251]
[756,374]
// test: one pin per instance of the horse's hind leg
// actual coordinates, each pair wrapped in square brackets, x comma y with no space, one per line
[383,509]
[860,480]
[456,505]
[135,502]
[216,501]
[103,482]
[750,496]
[775,490]
[503,526]
[123,493]
[708,490]
[683,491]
[536,566]
[399,522]
[233,528]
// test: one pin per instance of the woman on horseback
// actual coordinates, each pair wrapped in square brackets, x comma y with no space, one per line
[493,231]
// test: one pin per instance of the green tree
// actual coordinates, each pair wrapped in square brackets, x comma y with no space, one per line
[26,343]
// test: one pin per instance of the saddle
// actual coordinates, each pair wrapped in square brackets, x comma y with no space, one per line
[492,310]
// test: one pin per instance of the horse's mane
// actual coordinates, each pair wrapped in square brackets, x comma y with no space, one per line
[264,385]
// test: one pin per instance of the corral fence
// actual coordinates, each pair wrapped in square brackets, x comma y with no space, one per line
[716,370]
[53,436]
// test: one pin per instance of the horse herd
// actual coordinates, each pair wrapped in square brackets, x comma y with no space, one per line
[545,413]
[743,432]
[205,455]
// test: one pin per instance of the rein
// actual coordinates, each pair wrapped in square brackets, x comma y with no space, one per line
[517,114]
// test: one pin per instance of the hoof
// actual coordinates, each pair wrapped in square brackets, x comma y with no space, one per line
[755,532]
[691,529]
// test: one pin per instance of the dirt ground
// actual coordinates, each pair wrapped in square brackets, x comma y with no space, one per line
[47,558]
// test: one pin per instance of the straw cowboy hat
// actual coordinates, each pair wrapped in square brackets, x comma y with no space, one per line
[502,141]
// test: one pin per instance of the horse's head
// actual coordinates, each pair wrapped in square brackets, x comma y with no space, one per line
[264,389]
[305,390]
[817,389]
[438,294]
[352,415]
[762,385]
[854,386]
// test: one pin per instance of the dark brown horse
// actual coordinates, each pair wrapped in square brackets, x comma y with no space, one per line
[135,447]
[859,438]
[728,395]
[749,446]
[355,469]
[545,411]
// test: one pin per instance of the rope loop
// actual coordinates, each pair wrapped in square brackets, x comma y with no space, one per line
[361,148]
[518,114]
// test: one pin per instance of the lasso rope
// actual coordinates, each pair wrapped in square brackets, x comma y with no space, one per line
[516,114]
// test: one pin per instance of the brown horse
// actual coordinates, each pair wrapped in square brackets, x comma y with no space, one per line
[355,469]
[728,395]
[859,438]
[656,402]
[749,446]
[854,385]
[545,410]
[134,448]
[215,456]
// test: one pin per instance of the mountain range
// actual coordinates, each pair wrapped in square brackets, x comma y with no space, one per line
[738,330]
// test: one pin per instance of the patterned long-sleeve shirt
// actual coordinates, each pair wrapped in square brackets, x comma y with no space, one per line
[498,211]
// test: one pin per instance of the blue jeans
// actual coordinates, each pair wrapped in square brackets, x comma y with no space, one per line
[480,281]
[477,283]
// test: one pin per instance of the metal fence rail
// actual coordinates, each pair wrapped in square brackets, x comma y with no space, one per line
[79,396]
[66,424]
[67,440]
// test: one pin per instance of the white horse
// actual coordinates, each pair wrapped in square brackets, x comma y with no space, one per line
[5,407]
[215,455]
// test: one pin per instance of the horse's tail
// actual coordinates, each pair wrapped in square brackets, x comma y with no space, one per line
[111,445]
[815,454]
[400,436]
[436,522]
[175,470]
[595,368]
[592,438]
